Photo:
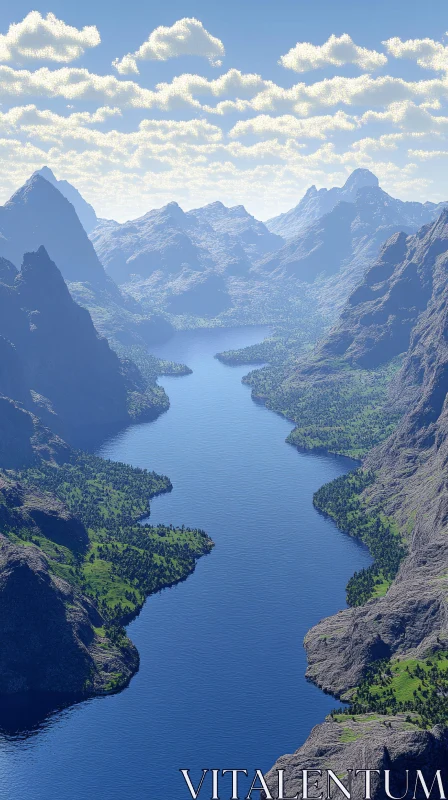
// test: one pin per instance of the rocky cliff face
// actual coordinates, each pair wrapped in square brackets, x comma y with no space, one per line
[380,315]
[339,247]
[52,637]
[54,361]
[401,306]
[381,743]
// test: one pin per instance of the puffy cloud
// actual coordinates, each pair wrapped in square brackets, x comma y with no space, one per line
[187,37]
[49,38]
[266,126]
[428,53]
[336,51]
[410,117]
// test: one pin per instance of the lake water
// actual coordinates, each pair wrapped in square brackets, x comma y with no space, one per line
[221,682]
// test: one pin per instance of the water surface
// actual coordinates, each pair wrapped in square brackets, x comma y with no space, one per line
[221,683]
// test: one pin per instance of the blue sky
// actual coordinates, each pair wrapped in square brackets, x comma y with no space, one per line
[247,102]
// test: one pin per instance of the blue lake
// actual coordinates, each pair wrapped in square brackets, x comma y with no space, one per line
[221,682]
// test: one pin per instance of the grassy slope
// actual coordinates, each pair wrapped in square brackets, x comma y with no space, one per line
[125,561]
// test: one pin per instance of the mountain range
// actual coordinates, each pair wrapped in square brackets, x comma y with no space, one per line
[334,252]
[209,260]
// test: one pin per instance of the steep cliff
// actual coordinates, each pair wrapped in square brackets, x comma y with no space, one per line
[53,638]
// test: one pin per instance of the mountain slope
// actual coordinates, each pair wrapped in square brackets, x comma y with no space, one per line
[381,313]
[335,251]
[186,263]
[167,240]
[317,202]
[54,362]
[253,236]
[38,214]
[409,485]
[85,212]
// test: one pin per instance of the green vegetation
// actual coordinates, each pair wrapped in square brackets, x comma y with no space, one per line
[276,349]
[150,366]
[416,686]
[143,369]
[344,411]
[342,500]
[124,561]
[337,408]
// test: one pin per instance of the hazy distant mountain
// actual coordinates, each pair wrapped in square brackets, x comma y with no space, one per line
[186,259]
[38,214]
[339,246]
[169,240]
[254,237]
[86,213]
[317,202]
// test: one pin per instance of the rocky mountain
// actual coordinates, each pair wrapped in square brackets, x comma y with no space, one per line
[317,202]
[186,262]
[375,743]
[400,307]
[53,637]
[167,240]
[339,247]
[85,212]
[54,362]
[380,315]
[410,479]
[253,236]
[38,214]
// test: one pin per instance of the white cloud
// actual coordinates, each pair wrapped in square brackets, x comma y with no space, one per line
[336,51]
[428,53]
[48,38]
[410,117]
[75,84]
[187,37]
[243,92]
[426,155]
[313,127]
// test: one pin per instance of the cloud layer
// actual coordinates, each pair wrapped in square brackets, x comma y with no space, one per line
[239,137]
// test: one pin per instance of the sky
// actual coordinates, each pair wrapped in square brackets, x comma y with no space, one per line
[251,102]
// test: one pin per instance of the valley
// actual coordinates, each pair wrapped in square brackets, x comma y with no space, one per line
[352,283]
